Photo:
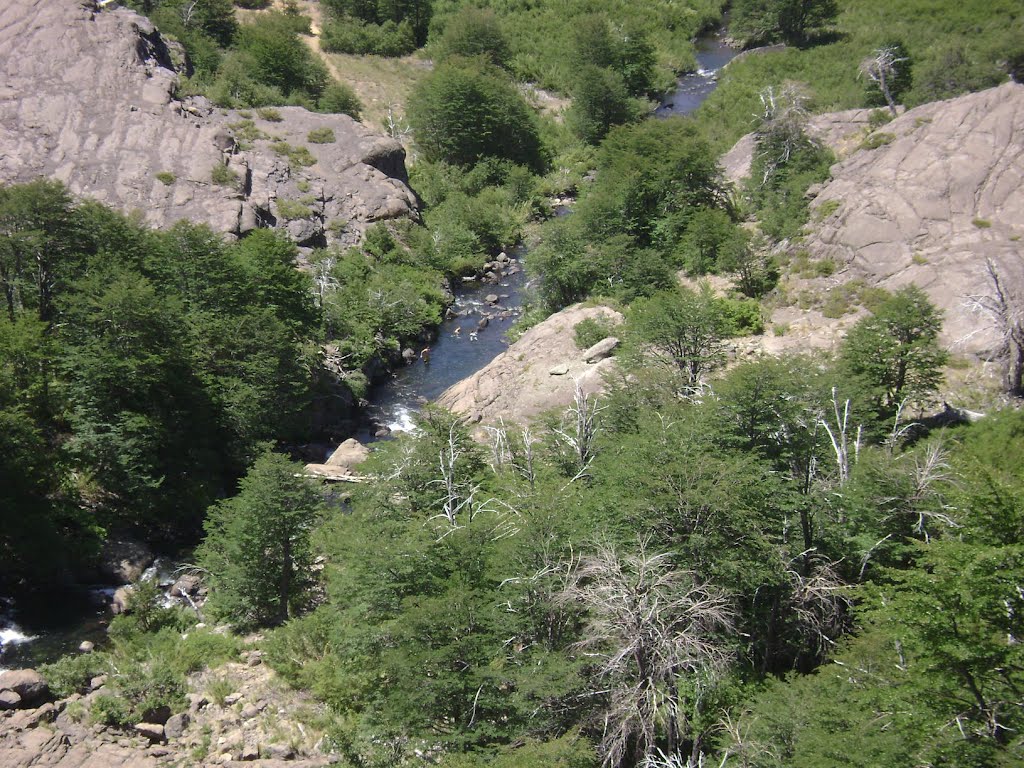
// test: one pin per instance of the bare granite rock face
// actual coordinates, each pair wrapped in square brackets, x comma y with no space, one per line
[87,96]
[535,374]
[933,205]
[937,200]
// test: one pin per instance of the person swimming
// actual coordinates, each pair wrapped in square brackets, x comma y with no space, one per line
[425,355]
[472,335]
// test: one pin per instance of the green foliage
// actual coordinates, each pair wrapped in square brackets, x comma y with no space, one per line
[359,37]
[321,136]
[599,102]
[474,32]
[300,156]
[292,209]
[463,112]
[894,355]
[269,114]
[256,549]
[223,176]
[793,21]
[338,98]
[71,674]
[591,330]
[166,177]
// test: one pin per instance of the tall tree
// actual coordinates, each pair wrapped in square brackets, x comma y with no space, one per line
[257,547]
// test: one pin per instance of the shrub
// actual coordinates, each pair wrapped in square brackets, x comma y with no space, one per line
[300,156]
[339,99]
[321,136]
[590,331]
[877,139]
[109,709]
[223,176]
[71,674]
[166,177]
[269,114]
[293,209]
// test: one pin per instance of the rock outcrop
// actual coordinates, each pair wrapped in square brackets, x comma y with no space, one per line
[931,198]
[934,204]
[535,374]
[87,96]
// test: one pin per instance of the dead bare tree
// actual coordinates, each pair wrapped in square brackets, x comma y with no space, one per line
[579,434]
[783,126]
[652,633]
[882,68]
[1005,306]
[839,435]
[819,603]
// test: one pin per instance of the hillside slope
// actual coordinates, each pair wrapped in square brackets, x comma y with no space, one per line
[87,96]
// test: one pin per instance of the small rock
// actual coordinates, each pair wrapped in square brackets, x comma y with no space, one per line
[157,751]
[97,682]
[491,298]
[152,731]
[231,699]
[30,718]
[86,646]
[482,322]
[255,659]
[9,700]
[280,751]
[175,726]
[559,370]
[249,711]
[250,749]
[196,701]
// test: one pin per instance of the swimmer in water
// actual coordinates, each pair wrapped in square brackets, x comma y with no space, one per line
[472,336]
[425,355]
[457,331]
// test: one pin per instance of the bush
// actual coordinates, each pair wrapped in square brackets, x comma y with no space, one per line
[109,709]
[474,32]
[269,114]
[71,674]
[321,136]
[588,332]
[223,176]
[300,156]
[293,209]
[464,112]
[338,98]
[166,177]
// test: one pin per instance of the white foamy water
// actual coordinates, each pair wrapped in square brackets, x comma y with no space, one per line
[12,635]
[402,421]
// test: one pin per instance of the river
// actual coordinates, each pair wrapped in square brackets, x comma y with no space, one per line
[53,625]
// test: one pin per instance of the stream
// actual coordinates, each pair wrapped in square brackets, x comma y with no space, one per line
[53,625]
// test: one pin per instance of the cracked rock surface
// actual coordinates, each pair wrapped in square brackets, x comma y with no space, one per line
[933,206]
[87,96]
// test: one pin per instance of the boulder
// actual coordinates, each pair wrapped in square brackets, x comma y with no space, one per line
[28,684]
[9,700]
[349,454]
[152,731]
[119,602]
[559,370]
[86,646]
[186,584]
[601,350]
[123,561]
[175,726]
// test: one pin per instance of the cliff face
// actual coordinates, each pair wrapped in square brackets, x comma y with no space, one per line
[87,96]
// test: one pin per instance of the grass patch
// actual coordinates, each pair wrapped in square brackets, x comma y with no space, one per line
[166,177]
[293,209]
[877,139]
[982,223]
[300,156]
[269,114]
[321,136]
[223,176]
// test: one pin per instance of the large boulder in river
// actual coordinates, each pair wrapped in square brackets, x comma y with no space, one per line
[87,96]
[537,373]
[123,561]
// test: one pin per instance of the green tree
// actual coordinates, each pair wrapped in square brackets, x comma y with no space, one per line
[894,354]
[683,330]
[474,32]
[599,102]
[257,547]
[463,112]
[793,21]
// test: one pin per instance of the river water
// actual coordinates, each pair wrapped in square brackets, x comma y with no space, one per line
[693,88]
[54,625]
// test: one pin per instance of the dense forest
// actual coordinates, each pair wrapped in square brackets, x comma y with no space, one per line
[770,562]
